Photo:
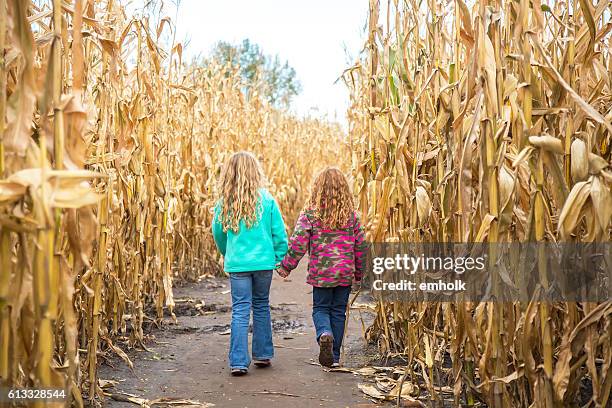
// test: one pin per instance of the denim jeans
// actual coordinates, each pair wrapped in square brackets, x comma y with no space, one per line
[250,291]
[329,313]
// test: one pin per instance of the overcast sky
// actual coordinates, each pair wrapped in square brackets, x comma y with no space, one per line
[311,34]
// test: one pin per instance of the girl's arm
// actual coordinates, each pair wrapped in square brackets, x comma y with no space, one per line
[217,229]
[279,233]
[298,243]
[360,250]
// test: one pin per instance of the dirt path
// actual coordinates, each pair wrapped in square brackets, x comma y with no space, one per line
[189,360]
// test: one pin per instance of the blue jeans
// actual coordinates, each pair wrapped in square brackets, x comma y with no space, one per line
[250,290]
[329,313]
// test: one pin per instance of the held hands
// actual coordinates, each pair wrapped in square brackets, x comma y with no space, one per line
[282,272]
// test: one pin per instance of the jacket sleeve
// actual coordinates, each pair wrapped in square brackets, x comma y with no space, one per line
[219,235]
[279,233]
[361,247]
[298,243]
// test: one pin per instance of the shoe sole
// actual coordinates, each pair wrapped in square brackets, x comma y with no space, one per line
[239,373]
[326,343]
[262,364]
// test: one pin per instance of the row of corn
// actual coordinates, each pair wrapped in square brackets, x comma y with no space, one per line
[489,121]
[110,146]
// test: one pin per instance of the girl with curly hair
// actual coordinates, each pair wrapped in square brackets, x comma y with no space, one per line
[329,230]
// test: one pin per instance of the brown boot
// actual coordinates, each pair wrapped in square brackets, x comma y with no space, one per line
[326,344]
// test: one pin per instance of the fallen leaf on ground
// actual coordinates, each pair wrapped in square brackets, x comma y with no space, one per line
[107,383]
[371,391]
[145,403]
[364,306]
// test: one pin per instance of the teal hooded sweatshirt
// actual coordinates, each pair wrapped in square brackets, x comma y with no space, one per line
[258,248]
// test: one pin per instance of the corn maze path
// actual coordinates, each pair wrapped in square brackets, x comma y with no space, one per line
[189,360]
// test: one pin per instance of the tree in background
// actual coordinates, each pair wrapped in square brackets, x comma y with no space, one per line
[279,81]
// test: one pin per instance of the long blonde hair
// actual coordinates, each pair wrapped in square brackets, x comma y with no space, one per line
[241,179]
[331,199]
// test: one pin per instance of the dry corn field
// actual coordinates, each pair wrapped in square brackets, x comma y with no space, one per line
[488,121]
[110,148]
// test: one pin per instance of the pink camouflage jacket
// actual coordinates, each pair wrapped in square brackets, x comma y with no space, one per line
[336,256]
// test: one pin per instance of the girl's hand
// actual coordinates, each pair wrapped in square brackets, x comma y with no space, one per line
[283,273]
[356,286]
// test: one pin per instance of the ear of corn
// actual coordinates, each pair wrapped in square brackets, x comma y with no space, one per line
[108,158]
[489,121]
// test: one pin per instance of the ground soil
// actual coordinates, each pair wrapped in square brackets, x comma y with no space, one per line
[189,359]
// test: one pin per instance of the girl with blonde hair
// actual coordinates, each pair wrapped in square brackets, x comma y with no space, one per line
[249,231]
[329,230]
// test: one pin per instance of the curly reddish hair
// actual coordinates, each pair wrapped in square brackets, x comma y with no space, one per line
[331,199]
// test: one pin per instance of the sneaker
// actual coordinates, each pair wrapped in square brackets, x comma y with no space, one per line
[262,363]
[239,372]
[335,365]
[326,343]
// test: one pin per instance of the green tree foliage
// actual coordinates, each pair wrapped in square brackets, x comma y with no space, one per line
[276,80]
